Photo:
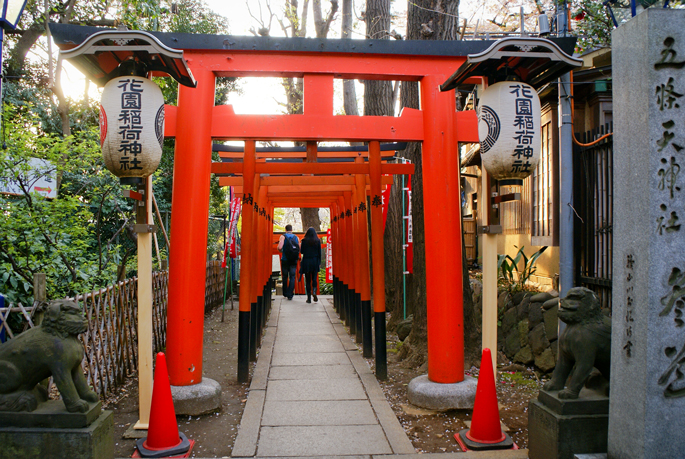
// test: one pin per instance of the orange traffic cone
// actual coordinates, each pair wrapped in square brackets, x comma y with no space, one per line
[163,438]
[486,431]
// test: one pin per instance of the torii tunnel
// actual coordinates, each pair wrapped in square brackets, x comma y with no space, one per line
[341,186]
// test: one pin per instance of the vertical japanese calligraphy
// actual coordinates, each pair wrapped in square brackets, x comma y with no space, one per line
[132,126]
[630,307]
[667,96]
[669,144]
[509,129]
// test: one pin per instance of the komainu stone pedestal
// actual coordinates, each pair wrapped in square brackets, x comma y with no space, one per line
[87,435]
[558,429]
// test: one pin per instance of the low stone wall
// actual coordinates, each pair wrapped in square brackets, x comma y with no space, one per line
[527,333]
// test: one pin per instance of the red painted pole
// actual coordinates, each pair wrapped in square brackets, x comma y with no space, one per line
[346,234]
[358,260]
[352,265]
[441,208]
[262,243]
[378,259]
[338,265]
[189,221]
[246,247]
[362,253]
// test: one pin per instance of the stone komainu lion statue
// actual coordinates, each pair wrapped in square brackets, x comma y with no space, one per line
[50,349]
[584,344]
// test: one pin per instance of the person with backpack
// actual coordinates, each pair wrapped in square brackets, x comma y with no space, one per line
[311,263]
[289,246]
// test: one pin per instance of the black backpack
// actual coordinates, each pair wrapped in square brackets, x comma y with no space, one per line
[291,248]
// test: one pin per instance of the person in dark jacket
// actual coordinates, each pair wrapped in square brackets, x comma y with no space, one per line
[311,262]
[288,268]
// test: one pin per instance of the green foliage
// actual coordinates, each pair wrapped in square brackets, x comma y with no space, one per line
[324,288]
[520,379]
[53,236]
[593,21]
[79,239]
[508,268]
[593,25]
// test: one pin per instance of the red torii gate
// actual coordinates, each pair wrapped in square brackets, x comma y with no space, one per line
[196,122]
[436,125]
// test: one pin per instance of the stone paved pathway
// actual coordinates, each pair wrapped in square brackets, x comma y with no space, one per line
[312,393]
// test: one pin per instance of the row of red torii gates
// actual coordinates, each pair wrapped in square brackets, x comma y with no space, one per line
[345,194]
[197,60]
[196,122]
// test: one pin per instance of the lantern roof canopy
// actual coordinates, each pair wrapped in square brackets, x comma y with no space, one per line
[535,61]
[100,55]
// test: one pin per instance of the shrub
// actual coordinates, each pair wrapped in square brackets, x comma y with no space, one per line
[507,266]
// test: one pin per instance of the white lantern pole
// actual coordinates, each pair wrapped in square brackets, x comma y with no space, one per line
[145,360]
[489,324]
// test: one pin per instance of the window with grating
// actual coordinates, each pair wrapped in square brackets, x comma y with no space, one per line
[515,215]
[544,187]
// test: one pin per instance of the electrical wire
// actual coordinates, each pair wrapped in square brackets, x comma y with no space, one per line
[573,115]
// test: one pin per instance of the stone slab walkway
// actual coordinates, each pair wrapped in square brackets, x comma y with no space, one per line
[312,393]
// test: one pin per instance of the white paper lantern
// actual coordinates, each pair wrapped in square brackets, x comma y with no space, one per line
[509,130]
[131,126]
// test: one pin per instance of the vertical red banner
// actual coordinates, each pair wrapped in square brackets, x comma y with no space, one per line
[232,242]
[410,240]
[329,257]
[385,201]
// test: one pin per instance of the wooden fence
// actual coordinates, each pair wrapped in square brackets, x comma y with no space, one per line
[470,239]
[111,342]
[593,186]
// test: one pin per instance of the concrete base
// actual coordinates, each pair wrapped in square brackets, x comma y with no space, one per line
[93,442]
[52,414]
[559,429]
[442,397]
[197,399]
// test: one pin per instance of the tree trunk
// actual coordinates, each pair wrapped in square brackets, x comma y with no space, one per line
[377,93]
[310,218]
[349,91]
[426,20]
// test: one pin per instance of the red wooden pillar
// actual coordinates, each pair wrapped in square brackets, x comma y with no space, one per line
[262,244]
[246,246]
[253,265]
[357,257]
[352,265]
[378,258]
[338,262]
[346,258]
[442,224]
[189,221]
[362,253]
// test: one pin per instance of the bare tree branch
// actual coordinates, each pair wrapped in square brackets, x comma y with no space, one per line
[322,26]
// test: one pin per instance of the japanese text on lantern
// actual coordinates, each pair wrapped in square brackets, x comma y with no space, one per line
[524,125]
[667,98]
[630,306]
[130,124]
